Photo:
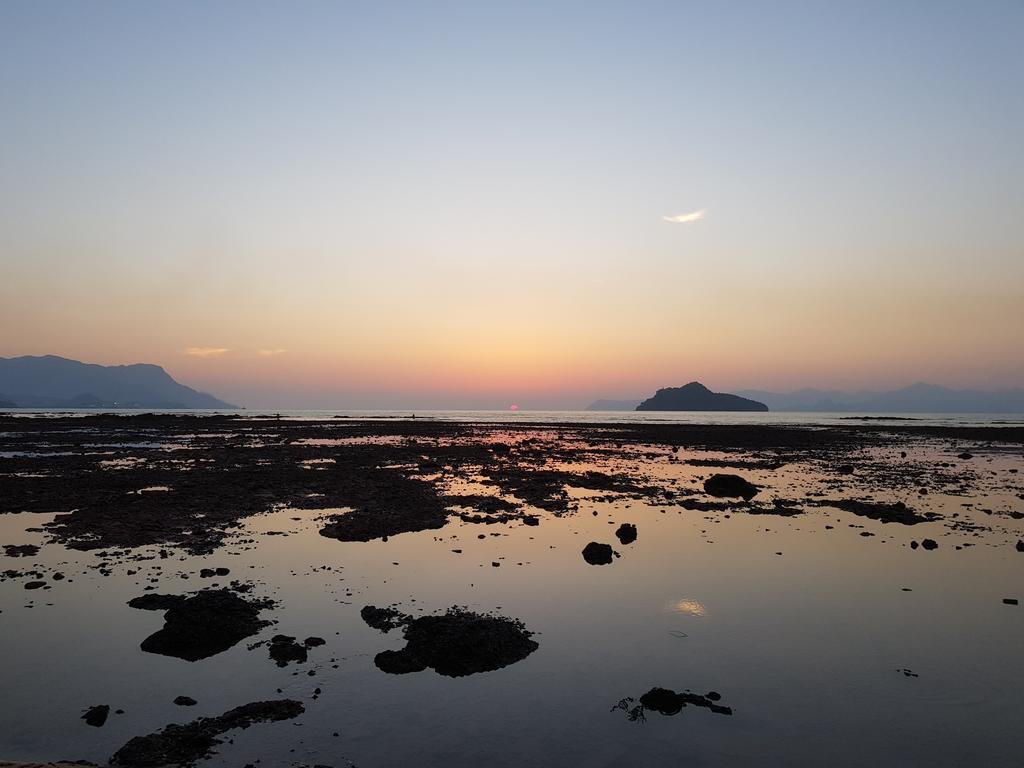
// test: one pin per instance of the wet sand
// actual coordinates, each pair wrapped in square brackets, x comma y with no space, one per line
[817,585]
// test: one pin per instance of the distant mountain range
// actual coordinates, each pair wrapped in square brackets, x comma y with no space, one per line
[696,397]
[56,382]
[917,398]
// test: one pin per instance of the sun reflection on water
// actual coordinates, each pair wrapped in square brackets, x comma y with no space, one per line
[689,606]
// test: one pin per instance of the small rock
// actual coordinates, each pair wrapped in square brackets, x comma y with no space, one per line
[598,554]
[929,544]
[185,701]
[626,533]
[96,716]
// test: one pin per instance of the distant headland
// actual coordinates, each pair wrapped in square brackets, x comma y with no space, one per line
[57,382]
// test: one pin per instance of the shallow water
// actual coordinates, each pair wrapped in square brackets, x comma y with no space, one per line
[804,630]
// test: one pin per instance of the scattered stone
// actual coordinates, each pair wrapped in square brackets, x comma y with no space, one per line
[598,554]
[730,486]
[626,533]
[96,716]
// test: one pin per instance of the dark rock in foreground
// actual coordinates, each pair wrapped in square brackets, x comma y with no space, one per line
[730,486]
[457,643]
[598,554]
[696,397]
[185,744]
[202,625]
[626,533]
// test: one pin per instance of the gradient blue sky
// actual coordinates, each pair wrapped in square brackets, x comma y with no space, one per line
[460,204]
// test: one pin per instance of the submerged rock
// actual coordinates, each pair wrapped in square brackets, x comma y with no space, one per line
[457,643]
[598,554]
[202,625]
[626,533]
[730,486]
[185,744]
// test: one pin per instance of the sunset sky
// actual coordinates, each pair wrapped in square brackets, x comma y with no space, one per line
[473,204]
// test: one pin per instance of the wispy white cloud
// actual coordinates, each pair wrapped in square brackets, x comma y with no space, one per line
[686,218]
[270,352]
[206,351]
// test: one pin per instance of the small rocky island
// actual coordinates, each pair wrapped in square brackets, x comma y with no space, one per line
[696,397]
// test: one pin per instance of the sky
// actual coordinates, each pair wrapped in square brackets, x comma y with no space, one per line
[473,204]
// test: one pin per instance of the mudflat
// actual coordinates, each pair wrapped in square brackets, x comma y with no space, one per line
[502,593]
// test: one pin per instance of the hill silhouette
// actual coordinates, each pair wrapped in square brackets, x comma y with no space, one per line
[49,381]
[696,397]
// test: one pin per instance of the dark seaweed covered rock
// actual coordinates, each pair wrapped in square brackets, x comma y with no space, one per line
[457,643]
[185,744]
[730,486]
[626,533]
[598,554]
[202,625]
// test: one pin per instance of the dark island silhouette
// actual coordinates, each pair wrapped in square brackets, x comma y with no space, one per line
[57,382]
[696,397]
